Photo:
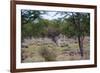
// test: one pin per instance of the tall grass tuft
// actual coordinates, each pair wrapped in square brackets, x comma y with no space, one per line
[49,54]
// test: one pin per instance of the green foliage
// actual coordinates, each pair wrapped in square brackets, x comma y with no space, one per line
[28,30]
[77,24]
[30,15]
[71,24]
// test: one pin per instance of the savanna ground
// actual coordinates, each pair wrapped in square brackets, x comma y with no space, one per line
[42,52]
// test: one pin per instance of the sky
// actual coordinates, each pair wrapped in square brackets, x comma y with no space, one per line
[51,15]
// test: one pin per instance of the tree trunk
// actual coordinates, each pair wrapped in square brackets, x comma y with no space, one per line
[80,40]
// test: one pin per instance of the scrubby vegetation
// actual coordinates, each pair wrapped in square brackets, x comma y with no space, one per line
[54,36]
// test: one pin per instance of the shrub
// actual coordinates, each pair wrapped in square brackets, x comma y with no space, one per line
[49,54]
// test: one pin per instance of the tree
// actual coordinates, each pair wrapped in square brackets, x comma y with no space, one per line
[78,25]
[28,21]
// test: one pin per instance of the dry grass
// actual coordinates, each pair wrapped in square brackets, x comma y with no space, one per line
[49,52]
